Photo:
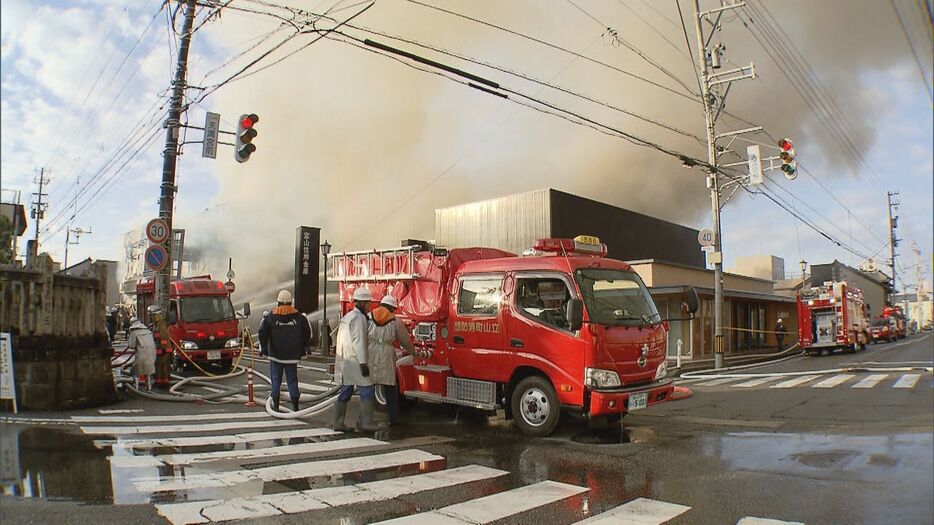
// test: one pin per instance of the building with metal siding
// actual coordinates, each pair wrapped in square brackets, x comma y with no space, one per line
[514,222]
[875,286]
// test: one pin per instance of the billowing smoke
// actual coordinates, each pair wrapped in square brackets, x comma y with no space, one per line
[366,147]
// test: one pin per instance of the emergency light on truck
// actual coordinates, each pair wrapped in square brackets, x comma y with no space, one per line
[582,244]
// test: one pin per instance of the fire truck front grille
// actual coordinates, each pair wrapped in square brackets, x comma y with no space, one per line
[207,344]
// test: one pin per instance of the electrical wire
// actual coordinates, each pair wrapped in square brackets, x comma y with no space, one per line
[914,52]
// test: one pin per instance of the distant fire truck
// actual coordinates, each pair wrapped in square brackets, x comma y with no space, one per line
[832,316]
[883,329]
[561,329]
[898,316]
[201,319]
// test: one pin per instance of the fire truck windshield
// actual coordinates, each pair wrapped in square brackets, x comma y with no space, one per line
[616,297]
[880,321]
[206,309]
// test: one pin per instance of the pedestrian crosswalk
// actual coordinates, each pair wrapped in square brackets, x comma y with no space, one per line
[244,466]
[820,380]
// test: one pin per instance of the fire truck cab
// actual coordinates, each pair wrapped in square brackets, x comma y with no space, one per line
[201,319]
[832,316]
[895,314]
[560,329]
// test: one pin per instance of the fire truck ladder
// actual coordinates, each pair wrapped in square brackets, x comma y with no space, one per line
[394,264]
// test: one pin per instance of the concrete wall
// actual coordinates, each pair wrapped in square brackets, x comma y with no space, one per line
[761,266]
[61,355]
[658,274]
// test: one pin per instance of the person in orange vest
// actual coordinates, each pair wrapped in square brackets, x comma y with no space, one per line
[160,332]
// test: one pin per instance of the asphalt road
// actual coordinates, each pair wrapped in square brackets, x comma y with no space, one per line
[855,450]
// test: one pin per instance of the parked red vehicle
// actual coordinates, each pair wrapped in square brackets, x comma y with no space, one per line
[832,316]
[201,319]
[896,314]
[883,329]
[563,329]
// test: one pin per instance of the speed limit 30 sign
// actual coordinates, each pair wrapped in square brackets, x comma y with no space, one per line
[157,231]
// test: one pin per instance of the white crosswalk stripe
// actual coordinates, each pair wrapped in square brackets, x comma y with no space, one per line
[218,486]
[640,511]
[717,382]
[907,381]
[870,381]
[756,382]
[800,380]
[749,520]
[495,507]
[833,381]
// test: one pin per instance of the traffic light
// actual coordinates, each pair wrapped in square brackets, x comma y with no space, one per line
[789,164]
[245,134]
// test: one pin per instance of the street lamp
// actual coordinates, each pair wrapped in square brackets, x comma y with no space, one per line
[804,267]
[326,329]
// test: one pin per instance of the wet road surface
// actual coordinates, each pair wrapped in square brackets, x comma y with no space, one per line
[798,454]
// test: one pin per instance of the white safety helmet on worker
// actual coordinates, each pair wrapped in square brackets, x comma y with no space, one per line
[390,300]
[154,309]
[362,294]
[284,297]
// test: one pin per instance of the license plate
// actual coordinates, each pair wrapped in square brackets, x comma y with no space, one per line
[637,401]
[214,356]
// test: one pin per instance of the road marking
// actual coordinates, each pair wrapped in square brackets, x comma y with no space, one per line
[870,381]
[641,511]
[317,499]
[795,381]
[748,520]
[168,418]
[755,382]
[720,381]
[308,469]
[497,506]
[207,427]
[121,411]
[198,441]
[310,449]
[831,382]
[907,381]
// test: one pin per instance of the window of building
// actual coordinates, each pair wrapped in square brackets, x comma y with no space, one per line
[480,296]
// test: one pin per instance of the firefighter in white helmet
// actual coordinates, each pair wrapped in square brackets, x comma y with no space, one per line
[283,337]
[383,334]
[351,366]
[144,349]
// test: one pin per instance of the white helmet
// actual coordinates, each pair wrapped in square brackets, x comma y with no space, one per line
[284,297]
[390,300]
[154,309]
[362,294]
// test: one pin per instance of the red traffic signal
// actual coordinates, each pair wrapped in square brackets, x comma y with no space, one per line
[785,144]
[788,154]
[243,147]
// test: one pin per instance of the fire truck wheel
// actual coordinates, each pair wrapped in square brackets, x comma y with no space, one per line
[535,406]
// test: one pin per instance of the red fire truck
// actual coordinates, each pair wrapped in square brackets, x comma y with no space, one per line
[832,316]
[895,313]
[201,319]
[562,328]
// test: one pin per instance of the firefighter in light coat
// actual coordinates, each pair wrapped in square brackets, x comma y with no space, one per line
[144,347]
[384,331]
[351,366]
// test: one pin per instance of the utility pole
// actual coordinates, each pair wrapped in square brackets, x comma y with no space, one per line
[708,82]
[170,153]
[78,232]
[893,241]
[39,207]
[919,282]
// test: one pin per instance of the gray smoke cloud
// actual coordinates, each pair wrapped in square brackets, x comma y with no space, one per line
[346,137]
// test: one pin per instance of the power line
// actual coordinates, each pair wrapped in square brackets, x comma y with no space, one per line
[914,52]
[686,54]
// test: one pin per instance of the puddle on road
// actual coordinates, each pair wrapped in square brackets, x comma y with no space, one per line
[615,436]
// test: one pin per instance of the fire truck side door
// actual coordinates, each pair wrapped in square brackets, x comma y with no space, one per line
[476,349]
[805,330]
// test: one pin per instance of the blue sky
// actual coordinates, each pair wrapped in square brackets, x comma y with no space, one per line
[338,123]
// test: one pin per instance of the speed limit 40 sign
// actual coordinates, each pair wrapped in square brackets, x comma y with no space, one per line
[157,231]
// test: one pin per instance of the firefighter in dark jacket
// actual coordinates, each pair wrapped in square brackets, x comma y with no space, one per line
[283,337]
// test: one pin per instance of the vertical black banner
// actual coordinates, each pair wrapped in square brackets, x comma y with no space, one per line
[307,264]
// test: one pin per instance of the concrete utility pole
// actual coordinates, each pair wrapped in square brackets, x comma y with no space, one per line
[39,207]
[78,233]
[919,282]
[170,154]
[708,83]
[893,241]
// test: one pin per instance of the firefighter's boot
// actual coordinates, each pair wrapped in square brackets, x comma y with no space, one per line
[295,405]
[275,404]
[365,422]
[340,411]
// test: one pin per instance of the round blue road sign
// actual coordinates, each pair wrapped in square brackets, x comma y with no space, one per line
[156,257]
